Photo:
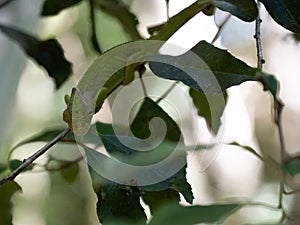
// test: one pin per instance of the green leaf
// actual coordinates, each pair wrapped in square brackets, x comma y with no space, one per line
[296,37]
[210,111]
[293,166]
[15,163]
[139,176]
[177,182]
[117,202]
[47,136]
[107,128]
[244,9]
[209,10]
[120,11]
[140,128]
[214,72]
[127,155]
[156,199]
[180,19]
[149,110]
[70,173]
[53,7]
[48,54]
[177,215]
[270,83]
[6,193]
[285,12]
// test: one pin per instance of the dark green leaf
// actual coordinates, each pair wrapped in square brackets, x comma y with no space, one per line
[119,10]
[156,199]
[180,19]
[177,182]
[105,128]
[53,7]
[149,110]
[143,158]
[270,83]
[118,201]
[285,12]
[70,173]
[296,36]
[127,155]
[217,71]
[47,136]
[209,10]
[177,215]
[244,9]
[210,111]
[6,193]
[117,204]
[140,128]
[48,54]
[15,163]
[293,166]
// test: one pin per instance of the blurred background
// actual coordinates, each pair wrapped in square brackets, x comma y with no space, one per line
[30,104]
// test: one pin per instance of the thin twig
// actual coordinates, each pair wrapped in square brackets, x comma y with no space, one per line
[257,36]
[278,106]
[167,92]
[143,85]
[167,10]
[220,29]
[94,34]
[33,157]
[5,3]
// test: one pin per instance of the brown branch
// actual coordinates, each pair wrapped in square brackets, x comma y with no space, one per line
[257,36]
[168,91]
[278,106]
[27,162]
